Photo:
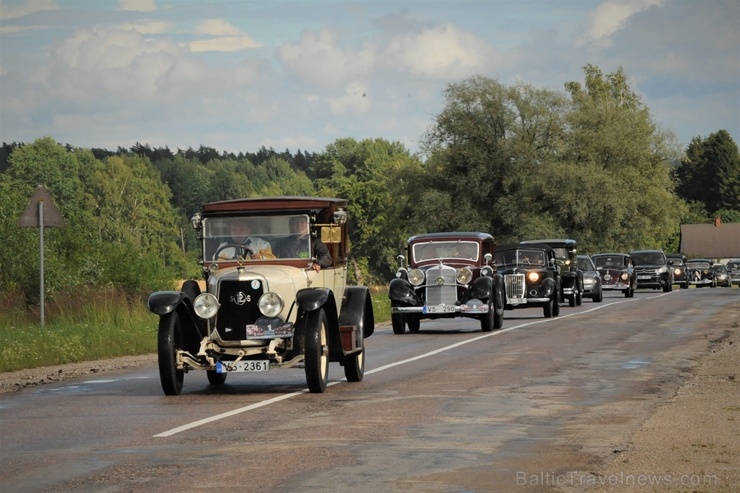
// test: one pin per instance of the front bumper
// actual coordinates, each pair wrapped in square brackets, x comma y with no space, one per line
[472,307]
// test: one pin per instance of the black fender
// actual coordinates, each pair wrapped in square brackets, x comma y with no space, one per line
[357,309]
[164,302]
[402,290]
[481,288]
[312,299]
[551,288]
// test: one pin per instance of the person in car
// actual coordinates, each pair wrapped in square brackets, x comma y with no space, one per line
[241,234]
[296,245]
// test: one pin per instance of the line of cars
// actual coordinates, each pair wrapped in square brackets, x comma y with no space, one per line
[464,274]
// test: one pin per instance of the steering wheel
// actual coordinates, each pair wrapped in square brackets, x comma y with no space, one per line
[245,250]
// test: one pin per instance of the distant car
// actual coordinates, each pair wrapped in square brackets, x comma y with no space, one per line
[591,278]
[653,269]
[699,272]
[571,278]
[679,269]
[721,275]
[617,272]
[733,266]
[531,276]
[448,275]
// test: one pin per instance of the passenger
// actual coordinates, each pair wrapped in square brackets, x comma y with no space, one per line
[296,245]
[241,240]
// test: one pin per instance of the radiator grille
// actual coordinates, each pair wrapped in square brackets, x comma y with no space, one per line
[238,301]
[514,286]
[447,293]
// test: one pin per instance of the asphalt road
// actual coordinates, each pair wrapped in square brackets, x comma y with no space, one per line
[448,409]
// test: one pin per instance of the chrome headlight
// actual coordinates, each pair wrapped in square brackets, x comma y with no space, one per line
[624,276]
[486,271]
[416,277]
[271,304]
[464,275]
[401,273]
[661,270]
[206,305]
[677,272]
[533,276]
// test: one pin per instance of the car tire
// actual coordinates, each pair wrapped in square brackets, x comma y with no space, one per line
[488,321]
[169,341]
[579,296]
[598,297]
[317,351]
[547,309]
[354,366]
[399,325]
[572,300]
[414,324]
[215,378]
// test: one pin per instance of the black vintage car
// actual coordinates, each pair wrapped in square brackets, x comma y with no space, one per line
[722,275]
[617,272]
[733,267]
[653,269]
[679,269]
[260,305]
[699,272]
[571,277]
[591,279]
[448,275]
[531,276]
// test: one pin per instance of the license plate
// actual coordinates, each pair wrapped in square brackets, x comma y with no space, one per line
[439,309]
[643,277]
[243,366]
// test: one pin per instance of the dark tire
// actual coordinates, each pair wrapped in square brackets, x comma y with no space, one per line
[598,297]
[555,308]
[414,324]
[487,321]
[547,310]
[354,366]
[684,285]
[215,378]
[399,325]
[579,296]
[169,341]
[572,300]
[498,317]
[317,351]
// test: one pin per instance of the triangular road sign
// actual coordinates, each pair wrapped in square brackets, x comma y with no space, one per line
[30,217]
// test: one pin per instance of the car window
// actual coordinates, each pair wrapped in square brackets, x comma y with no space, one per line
[733,265]
[698,265]
[607,261]
[585,264]
[434,250]
[530,258]
[647,258]
[274,231]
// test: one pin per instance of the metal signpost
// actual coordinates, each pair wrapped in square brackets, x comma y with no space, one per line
[36,215]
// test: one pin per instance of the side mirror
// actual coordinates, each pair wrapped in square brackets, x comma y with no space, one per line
[401,260]
[488,257]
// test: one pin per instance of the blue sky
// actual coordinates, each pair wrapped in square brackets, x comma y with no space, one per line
[237,75]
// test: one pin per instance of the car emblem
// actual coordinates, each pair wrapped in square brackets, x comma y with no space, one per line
[255,284]
[239,298]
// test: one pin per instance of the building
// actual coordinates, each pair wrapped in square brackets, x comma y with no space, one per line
[717,240]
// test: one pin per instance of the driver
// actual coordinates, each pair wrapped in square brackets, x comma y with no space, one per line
[242,244]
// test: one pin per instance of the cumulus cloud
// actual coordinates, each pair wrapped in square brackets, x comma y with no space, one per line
[612,15]
[227,37]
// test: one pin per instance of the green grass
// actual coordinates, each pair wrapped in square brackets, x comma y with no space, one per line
[90,324]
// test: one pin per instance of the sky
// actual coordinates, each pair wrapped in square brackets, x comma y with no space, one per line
[238,75]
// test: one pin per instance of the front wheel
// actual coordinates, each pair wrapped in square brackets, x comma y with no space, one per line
[399,325]
[317,351]
[169,341]
[354,366]
[547,309]
[414,324]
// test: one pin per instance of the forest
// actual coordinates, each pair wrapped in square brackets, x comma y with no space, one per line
[519,162]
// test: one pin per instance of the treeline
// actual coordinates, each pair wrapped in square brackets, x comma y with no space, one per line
[517,161]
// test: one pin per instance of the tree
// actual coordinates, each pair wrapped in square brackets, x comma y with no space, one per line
[710,173]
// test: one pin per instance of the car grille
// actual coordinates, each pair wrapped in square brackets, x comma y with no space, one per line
[515,286]
[238,301]
[645,272]
[447,292]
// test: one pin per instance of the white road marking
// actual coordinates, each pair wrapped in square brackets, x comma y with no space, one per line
[283,397]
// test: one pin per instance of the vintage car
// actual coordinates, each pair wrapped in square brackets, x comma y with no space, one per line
[733,266]
[591,278]
[679,269]
[448,275]
[260,307]
[617,272]
[722,275]
[699,272]
[571,277]
[531,276]
[653,269]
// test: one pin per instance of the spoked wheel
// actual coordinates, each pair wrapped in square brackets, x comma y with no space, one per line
[215,378]
[169,341]
[317,351]
[414,324]
[399,324]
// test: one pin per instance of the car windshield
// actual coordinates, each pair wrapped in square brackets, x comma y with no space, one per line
[434,250]
[530,258]
[719,267]
[697,265]
[585,264]
[649,258]
[733,265]
[280,236]
[607,261]
[677,261]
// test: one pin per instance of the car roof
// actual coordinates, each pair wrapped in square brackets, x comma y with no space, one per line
[516,246]
[608,254]
[452,235]
[550,241]
[647,251]
[271,204]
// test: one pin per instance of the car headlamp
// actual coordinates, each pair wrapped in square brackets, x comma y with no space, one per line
[662,270]
[464,275]
[677,272]
[416,277]
[624,276]
[270,304]
[533,276]
[486,271]
[206,305]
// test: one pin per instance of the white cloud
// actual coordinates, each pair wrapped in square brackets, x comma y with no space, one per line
[137,5]
[26,8]
[612,15]
[217,27]
[147,27]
